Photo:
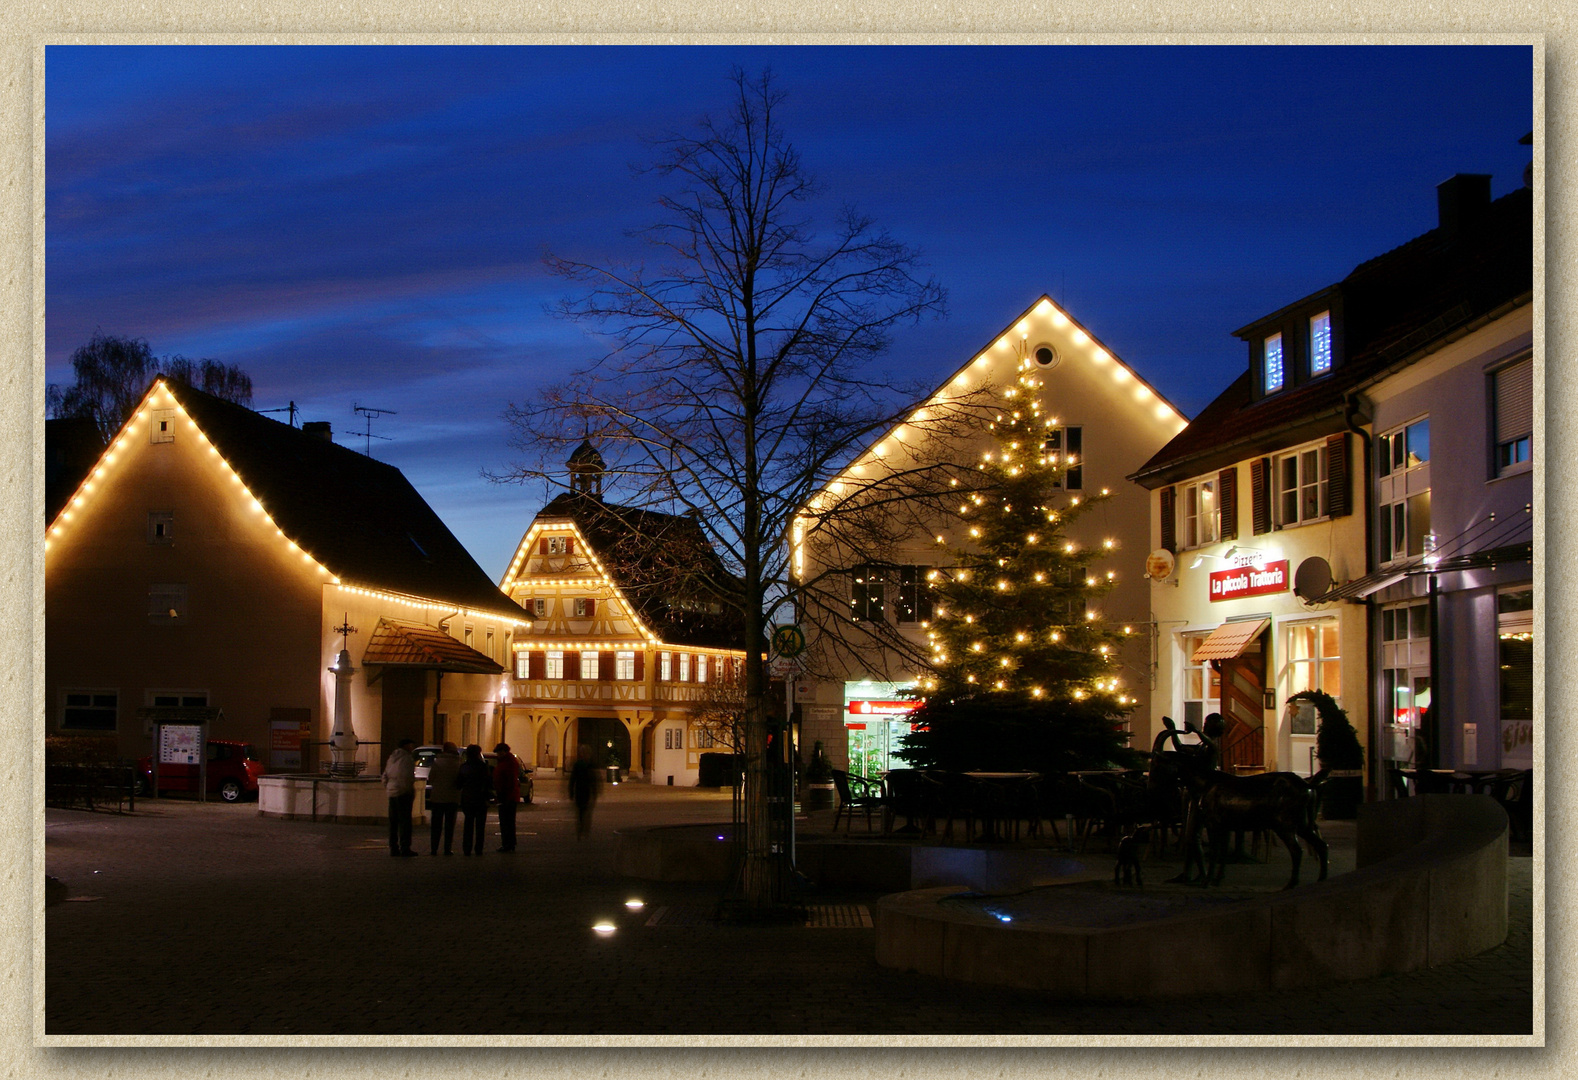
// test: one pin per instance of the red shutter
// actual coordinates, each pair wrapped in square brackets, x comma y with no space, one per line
[569,545]
[591,608]
[542,546]
[538,665]
[1169,496]
[605,666]
[572,665]
[1227,502]
[1260,495]
[641,664]
[1339,497]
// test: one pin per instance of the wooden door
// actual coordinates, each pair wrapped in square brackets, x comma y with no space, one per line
[1243,708]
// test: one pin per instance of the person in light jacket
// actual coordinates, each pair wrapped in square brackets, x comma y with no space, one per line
[443,798]
[399,778]
[476,784]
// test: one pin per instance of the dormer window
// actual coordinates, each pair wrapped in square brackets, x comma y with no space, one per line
[1273,365]
[1320,343]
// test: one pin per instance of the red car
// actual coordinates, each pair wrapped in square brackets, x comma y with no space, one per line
[233,771]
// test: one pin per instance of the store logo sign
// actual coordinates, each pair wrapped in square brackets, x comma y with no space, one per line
[1249,581]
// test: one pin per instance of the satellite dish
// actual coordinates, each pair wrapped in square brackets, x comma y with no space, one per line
[1159,565]
[1312,580]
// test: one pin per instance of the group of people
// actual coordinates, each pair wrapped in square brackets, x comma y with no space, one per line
[459,784]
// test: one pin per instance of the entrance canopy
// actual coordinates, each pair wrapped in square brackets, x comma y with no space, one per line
[1229,640]
[396,643]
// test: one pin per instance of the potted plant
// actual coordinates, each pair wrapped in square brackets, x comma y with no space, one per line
[1340,754]
[818,782]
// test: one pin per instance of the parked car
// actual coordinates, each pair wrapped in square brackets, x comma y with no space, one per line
[233,771]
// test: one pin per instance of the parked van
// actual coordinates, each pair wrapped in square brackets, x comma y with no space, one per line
[233,771]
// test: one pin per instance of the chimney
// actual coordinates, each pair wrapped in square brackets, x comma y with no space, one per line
[318,429]
[1462,201]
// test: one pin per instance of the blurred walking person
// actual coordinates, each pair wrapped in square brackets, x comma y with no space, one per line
[443,798]
[475,785]
[507,786]
[399,778]
[583,789]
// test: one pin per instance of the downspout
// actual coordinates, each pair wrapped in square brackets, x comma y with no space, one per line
[1350,408]
[438,684]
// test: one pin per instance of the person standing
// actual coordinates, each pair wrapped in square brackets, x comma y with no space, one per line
[507,785]
[399,778]
[583,790]
[475,786]
[443,797]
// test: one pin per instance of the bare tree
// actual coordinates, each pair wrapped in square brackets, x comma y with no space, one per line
[738,381]
[113,373]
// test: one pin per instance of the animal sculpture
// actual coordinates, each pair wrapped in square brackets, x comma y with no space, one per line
[1282,803]
[1127,869]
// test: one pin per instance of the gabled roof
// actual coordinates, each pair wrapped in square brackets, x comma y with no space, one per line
[660,565]
[359,519]
[1396,307]
[398,643]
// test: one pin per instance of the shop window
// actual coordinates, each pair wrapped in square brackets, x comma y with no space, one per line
[89,710]
[1314,663]
[914,594]
[624,665]
[1066,446]
[1198,507]
[1301,487]
[865,596]
[1515,630]
[1512,389]
[555,665]
[588,665]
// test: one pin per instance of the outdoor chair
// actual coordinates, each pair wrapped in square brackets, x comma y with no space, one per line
[1516,796]
[854,793]
[907,794]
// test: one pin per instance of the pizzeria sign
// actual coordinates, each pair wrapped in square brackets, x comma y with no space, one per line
[1249,581]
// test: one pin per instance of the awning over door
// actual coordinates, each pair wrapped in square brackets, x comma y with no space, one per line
[1229,640]
[396,643]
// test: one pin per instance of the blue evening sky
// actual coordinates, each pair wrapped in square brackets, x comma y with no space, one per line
[365,225]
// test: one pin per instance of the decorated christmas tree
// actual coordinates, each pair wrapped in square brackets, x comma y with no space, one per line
[1024,665]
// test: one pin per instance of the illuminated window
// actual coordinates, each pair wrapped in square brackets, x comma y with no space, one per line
[523,665]
[89,710]
[665,666]
[1402,491]
[1515,630]
[588,665]
[555,665]
[539,608]
[161,526]
[701,668]
[1314,663]
[558,545]
[1202,684]
[1320,343]
[684,667]
[584,608]
[624,665]
[1198,508]
[1273,368]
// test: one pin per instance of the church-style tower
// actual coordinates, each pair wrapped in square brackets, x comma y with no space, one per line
[586,470]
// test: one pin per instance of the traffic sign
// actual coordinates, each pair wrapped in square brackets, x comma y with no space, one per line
[788,641]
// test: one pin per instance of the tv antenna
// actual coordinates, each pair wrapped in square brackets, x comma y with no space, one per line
[291,408]
[371,414]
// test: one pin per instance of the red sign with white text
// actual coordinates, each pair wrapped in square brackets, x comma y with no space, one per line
[1249,581]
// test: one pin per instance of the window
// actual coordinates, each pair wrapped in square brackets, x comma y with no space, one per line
[539,608]
[161,427]
[684,667]
[1405,665]
[1314,663]
[89,710]
[1513,391]
[1202,684]
[588,665]
[558,545]
[161,526]
[673,738]
[701,669]
[1515,630]
[914,594]
[665,666]
[1199,510]
[624,665]
[1320,343]
[1066,447]
[523,665]
[178,699]
[166,604]
[468,637]
[705,739]
[1402,492]
[1273,368]
[1301,487]
[555,665]
[491,654]
[584,607]
[865,598]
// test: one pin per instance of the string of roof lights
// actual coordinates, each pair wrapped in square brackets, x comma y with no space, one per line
[602,578]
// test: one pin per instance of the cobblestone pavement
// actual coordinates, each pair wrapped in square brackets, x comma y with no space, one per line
[207,919]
